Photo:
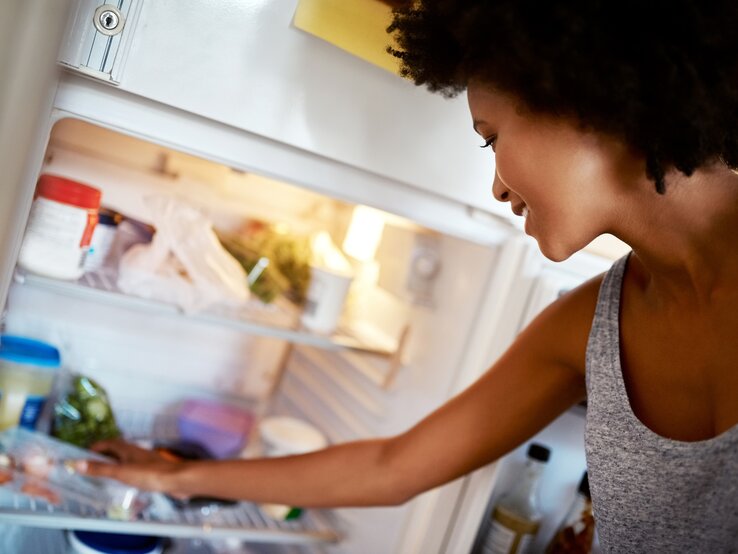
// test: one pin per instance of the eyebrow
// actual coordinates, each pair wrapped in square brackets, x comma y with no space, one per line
[475,123]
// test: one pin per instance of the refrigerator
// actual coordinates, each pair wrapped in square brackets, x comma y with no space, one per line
[229,108]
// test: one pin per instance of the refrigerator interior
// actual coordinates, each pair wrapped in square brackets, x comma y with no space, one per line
[400,346]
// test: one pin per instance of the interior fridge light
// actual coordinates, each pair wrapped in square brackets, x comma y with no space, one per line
[364,233]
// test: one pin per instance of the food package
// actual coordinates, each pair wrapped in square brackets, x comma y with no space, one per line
[276,260]
[36,465]
[221,429]
[184,264]
[82,414]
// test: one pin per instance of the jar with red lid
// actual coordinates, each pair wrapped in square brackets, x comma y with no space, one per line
[60,227]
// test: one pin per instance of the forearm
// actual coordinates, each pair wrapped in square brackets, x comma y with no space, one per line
[353,474]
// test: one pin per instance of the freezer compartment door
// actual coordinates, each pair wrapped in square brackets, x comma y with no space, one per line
[246,65]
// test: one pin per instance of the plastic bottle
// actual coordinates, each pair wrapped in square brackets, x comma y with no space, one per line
[27,370]
[517,516]
[576,533]
[102,239]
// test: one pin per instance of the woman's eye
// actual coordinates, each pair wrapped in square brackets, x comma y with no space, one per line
[490,142]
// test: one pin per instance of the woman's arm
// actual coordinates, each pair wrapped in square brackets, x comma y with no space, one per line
[540,376]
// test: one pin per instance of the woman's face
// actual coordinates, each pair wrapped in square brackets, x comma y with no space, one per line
[569,184]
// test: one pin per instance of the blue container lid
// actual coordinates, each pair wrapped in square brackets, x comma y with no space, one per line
[115,543]
[21,350]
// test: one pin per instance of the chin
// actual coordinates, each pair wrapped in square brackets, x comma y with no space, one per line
[554,252]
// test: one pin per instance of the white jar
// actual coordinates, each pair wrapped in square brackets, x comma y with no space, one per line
[60,227]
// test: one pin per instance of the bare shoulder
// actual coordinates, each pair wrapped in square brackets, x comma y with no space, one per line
[561,331]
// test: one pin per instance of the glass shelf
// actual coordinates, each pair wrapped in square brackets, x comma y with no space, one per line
[279,320]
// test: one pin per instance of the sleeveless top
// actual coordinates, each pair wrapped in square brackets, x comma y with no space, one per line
[650,494]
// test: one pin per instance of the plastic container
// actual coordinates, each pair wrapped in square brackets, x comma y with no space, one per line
[288,436]
[60,228]
[326,296]
[27,370]
[89,542]
[220,428]
[38,466]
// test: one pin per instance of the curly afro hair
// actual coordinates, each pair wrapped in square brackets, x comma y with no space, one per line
[660,75]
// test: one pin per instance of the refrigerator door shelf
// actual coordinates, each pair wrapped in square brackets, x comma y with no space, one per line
[280,321]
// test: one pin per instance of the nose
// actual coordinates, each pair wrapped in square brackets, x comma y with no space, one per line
[499,190]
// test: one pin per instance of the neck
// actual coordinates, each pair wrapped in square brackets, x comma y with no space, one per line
[687,239]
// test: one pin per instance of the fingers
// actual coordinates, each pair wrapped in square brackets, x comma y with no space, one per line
[96,469]
[130,474]
[106,445]
[146,476]
[124,452]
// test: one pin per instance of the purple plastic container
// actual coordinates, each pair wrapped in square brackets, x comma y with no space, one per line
[222,429]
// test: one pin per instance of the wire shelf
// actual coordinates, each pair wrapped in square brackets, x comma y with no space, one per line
[244,521]
[60,500]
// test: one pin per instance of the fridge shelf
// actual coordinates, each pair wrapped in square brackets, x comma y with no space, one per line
[63,500]
[279,320]
[244,521]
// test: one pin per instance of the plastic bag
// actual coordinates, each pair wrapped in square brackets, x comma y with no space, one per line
[36,465]
[184,264]
[82,415]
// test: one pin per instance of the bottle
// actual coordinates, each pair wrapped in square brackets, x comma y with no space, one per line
[517,517]
[576,533]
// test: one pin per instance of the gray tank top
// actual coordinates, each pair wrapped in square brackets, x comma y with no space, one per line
[650,494]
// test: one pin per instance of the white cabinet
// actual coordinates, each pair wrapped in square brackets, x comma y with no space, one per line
[243,63]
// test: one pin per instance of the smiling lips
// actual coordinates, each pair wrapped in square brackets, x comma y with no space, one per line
[521,210]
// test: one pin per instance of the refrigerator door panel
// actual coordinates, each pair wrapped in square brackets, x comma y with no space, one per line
[245,65]
[29,37]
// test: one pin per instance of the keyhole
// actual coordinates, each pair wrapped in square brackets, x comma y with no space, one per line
[109,20]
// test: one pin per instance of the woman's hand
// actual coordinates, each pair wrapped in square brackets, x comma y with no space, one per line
[141,468]
[156,476]
[126,452]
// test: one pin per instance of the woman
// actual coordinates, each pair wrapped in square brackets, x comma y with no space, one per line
[605,117]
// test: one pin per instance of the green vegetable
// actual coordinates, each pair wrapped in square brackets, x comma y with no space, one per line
[84,416]
[288,269]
